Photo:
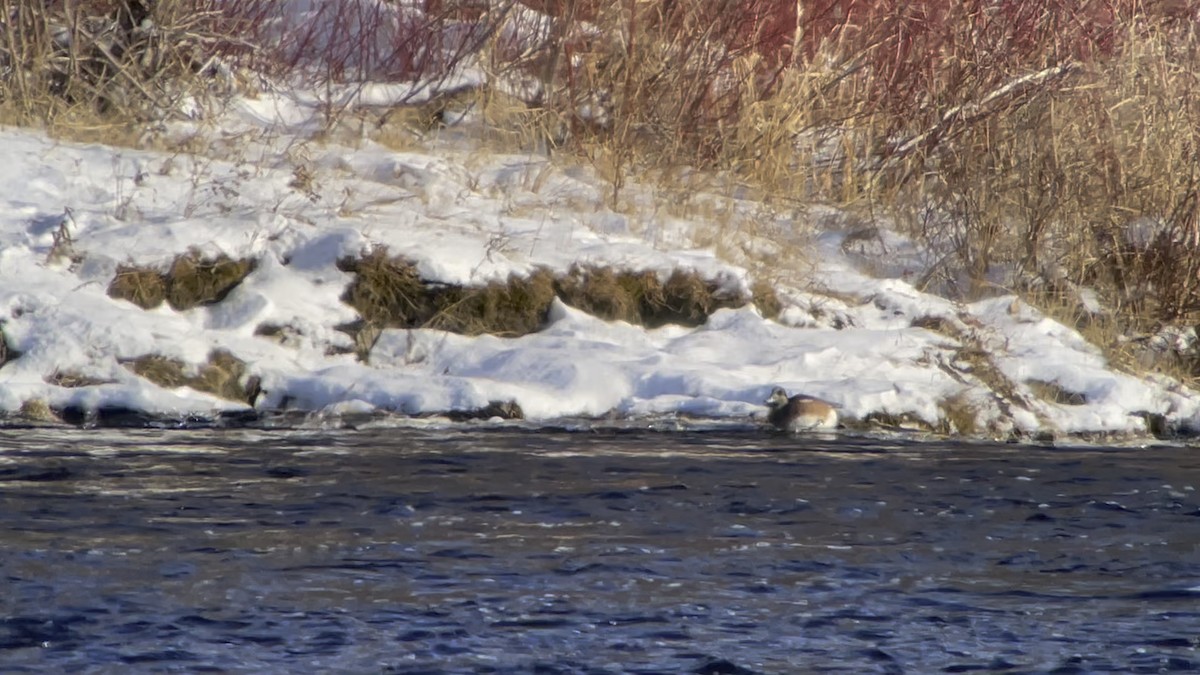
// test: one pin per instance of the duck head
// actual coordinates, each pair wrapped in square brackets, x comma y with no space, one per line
[777,399]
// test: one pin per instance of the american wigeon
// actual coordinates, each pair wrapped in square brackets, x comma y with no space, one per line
[800,412]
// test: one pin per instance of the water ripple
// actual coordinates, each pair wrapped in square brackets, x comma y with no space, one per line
[436,551]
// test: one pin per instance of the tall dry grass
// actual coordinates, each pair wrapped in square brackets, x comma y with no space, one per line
[87,66]
[1049,146]
[1075,165]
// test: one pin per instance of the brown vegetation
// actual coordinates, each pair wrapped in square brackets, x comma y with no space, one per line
[388,292]
[37,411]
[1055,140]
[144,287]
[972,362]
[73,380]
[1055,393]
[223,375]
[99,68]
[642,298]
[191,281]
[505,410]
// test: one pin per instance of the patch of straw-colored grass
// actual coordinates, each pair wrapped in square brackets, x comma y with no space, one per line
[37,410]
[223,375]
[73,380]
[642,298]
[103,70]
[191,281]
[194,280]
[144,287]
[388,292]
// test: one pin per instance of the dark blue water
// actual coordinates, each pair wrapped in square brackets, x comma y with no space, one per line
[409,551]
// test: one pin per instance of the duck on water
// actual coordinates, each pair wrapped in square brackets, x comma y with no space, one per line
[800,412]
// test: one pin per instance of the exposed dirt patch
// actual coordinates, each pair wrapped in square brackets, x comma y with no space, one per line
[192,280]
[221,376]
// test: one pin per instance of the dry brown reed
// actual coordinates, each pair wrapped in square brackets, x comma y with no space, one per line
[101,69]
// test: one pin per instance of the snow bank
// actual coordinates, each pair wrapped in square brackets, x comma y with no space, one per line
[72,213]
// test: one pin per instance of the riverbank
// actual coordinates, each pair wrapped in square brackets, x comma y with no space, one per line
[747,298]
[344,209]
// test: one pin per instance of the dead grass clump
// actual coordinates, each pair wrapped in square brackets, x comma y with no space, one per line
[960,415]
[513,308]
[1158,425]
[191,281]
[144,287]
[936,324]
[221,376]
[601,292]
[505,410]
[73,380]
[194,280]
[389,292]
[897,421]
[37,410]
[765,299]
[386,291]
[1055,393]
[642,298]
[686,299]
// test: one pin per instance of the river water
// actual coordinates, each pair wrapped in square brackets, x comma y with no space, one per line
[499,551]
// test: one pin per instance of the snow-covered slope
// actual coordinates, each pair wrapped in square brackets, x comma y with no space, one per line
[875,346]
